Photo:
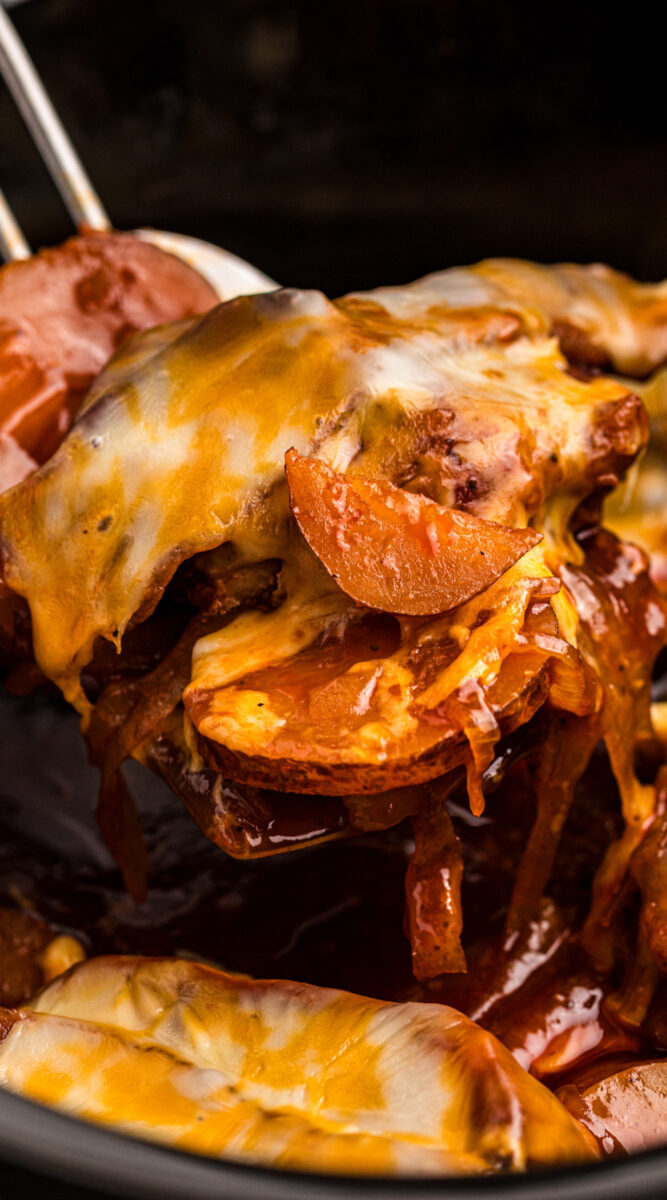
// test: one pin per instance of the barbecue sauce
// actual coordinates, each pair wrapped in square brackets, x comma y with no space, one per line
[331,915]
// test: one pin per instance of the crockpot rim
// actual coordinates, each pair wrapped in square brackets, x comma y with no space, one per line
[61,1147]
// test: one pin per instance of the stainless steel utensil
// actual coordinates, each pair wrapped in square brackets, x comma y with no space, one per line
[229,275]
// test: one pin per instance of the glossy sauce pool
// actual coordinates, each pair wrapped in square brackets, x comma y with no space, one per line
[330,915]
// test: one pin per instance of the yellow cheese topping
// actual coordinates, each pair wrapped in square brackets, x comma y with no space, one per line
[184,435]
[282,1073]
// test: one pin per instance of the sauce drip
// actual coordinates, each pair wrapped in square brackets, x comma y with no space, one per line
[339,920]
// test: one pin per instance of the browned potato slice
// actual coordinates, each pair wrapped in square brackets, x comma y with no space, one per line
[393,550]
[322,696]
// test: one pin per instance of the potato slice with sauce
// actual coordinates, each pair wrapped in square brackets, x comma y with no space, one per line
[394,550]
[321,695]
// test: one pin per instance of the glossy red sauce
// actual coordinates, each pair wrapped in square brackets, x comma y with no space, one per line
[331,915]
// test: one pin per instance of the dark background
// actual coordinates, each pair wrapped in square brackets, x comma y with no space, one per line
[345,143]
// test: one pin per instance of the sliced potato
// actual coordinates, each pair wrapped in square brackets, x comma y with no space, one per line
[321,695]
[393,550]
[626,1110]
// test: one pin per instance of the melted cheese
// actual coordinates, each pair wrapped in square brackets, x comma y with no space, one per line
[626,320]
[282,1073]
[184,436]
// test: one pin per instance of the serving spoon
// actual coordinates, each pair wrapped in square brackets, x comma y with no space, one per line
[228,274]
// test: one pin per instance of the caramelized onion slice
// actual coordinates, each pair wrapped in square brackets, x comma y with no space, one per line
[282,1073]
[393,550]
[622,626]
[433,895]
[649,869]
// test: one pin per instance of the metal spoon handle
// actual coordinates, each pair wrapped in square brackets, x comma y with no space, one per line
[12,242]
[54,145]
